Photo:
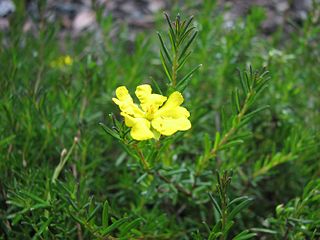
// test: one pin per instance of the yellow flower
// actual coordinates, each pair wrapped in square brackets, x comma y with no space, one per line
[156,114]
[61,62]
[67,60]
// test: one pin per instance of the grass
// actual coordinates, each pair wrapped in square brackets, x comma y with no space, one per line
[103,192]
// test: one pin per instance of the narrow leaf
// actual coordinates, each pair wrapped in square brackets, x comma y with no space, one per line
[183,82]
[183,37]
[216,205]
[244,235]
[231,144]
[157,86]
[164,48]
[105,214]
[130,226]
[183,61]
[93,213]
[34,197]
[7,140]
[237,200]
[239,208]
[110,131]
[184,50]
[165,67]
[187,25]
[113,226]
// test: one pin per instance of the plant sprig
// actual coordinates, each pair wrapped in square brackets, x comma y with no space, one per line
[252,84]
[181,35]
[227,210]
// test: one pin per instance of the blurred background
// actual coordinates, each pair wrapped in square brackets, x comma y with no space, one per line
[81,15]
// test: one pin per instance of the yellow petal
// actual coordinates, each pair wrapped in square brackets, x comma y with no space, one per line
[174,100]
[143,93]
[149,101]
[175,112]
[123,94]
[140,127]
[172,109]
[125,102]
[169,126]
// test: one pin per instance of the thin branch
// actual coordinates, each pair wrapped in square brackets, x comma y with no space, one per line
[146,166]
[176,185]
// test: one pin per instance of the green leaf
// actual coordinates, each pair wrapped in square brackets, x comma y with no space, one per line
[216,229]
[169,23]
[40,206]
[264,230]
[165,49]
[186,27]
[143,176]
[186,34]
[239,208]
[206,226]
[107,230]
[231,144]
[172,34]
[44,227]
[247,81]
[243,83]
[165,67]
[157,86]
[130,226]
[184,50]
[237,200]
[34,197]
[7,140]
[216,205]
[105,214]
[111,132]
[217,140]
[251,114]
[215,235]
[73,204]
[228,227]
[183,61]
[260,89]
[236,101]
[175,172]
[184,82]
[207,144]
[76,218]
[244,235]
[93,213]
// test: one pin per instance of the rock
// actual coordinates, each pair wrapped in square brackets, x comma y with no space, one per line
[84,20]
[7,7]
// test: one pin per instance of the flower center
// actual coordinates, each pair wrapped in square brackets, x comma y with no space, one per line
[150,112]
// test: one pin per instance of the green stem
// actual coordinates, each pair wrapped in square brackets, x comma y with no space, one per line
[224,216]
[176,185]
[158,174]
[226,137]
[174,68]
[142,158]
[63,160]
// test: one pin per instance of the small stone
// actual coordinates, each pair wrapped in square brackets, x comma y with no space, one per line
[7,7]
[83,20]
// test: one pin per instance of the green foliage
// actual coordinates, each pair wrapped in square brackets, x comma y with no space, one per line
[181,35]
[227,210]
[299,218]
[254,109]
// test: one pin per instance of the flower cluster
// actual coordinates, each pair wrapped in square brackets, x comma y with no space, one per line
[156,114]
